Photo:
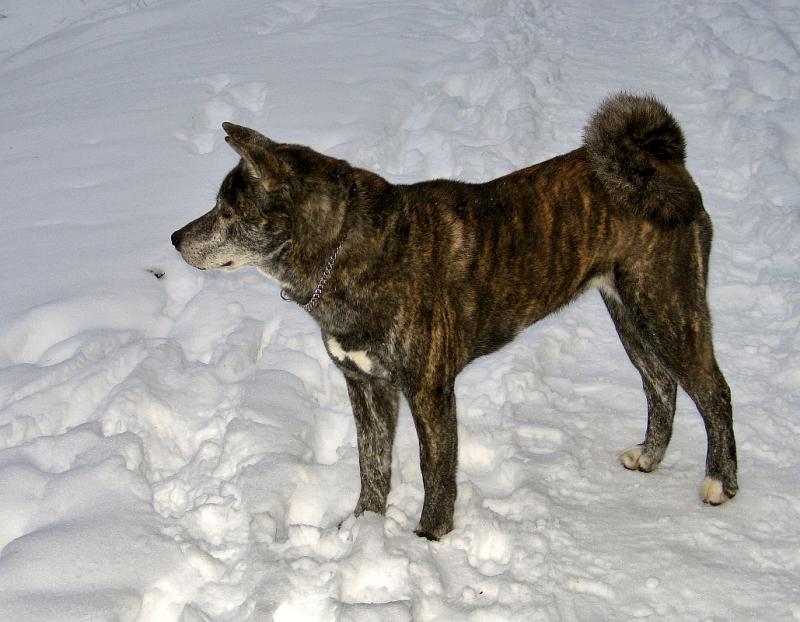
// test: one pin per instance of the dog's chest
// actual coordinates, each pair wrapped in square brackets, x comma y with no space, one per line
[355,357]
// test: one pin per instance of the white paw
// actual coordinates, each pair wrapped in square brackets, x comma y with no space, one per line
[712,492]
[636,460]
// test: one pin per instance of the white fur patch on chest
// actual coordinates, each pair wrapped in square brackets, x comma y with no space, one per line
[605,283]
[359,358]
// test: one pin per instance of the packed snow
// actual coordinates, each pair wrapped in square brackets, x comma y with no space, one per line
[176,445]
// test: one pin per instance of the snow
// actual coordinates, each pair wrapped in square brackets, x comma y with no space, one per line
[181,448]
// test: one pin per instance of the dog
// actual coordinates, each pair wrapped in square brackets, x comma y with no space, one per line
[409,283]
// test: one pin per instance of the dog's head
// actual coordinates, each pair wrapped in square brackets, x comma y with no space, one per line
[278,198]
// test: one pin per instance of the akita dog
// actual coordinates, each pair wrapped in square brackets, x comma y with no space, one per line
[409,283]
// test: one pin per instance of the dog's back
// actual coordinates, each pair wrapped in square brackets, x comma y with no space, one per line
[503,254]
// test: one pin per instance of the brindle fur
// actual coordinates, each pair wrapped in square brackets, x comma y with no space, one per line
[433,275]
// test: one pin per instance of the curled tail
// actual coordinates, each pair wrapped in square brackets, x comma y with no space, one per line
[637,150]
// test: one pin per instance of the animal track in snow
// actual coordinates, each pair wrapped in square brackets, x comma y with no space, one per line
[539,439]
[283,17]
[489,549]
[229,101]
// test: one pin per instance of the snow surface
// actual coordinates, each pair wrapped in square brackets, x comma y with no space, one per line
[181,448]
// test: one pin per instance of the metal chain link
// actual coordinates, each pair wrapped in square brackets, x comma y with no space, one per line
[326,274]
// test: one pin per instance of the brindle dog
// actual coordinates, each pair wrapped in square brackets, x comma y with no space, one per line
[409,283]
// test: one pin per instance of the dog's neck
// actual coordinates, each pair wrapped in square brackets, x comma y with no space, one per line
[323,279]
[308,268]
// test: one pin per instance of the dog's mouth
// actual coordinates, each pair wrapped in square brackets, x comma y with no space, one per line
[225,267]
[228,266]
[200,262]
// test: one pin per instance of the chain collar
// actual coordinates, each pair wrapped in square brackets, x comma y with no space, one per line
[326,274]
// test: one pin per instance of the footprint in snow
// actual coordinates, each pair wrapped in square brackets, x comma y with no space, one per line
[229,101]
[540,440]
[285,17]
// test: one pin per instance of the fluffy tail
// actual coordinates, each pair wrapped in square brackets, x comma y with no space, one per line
[637,150]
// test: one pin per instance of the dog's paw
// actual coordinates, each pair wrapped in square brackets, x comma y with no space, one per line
[637,459]
[434,530]
[712,491]
[426,534]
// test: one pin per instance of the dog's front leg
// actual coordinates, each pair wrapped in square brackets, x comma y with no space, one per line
[434,413]
[375,404]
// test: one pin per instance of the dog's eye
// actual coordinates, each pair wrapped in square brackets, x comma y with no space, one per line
[226,214]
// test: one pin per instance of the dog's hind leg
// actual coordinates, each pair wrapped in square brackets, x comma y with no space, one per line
[375,405]
[660,388]
[664,295]
[712,396]
[697,371]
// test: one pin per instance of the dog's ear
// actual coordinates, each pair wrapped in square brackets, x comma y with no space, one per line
[244,135]
[257,152]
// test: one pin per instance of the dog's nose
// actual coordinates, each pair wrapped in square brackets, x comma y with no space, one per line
[176,238]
